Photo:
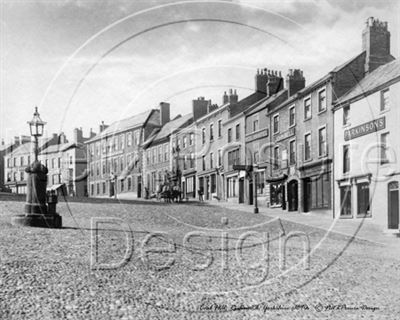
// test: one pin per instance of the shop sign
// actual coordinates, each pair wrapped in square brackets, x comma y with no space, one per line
[365,128]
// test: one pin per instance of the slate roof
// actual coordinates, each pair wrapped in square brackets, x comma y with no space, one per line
[263,103]
[245,103]
[59,147]
[169,128]
[124,124]
[373,81]
[27,147]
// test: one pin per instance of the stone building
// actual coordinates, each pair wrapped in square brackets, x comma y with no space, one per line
[67,163]
[161,153]
[115,155]
[308,183]
[367,149]
[5,149]
[264,135]
[18,159]
[185,138]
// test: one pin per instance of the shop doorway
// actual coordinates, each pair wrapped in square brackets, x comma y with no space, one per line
[307,194]
[241,190]
[393,205]
[293,195]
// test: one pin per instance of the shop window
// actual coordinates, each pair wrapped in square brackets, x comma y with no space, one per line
[213,183]
[260,182]
[345,201]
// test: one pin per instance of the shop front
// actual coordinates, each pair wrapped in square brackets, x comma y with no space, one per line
[277,191]
[316,185]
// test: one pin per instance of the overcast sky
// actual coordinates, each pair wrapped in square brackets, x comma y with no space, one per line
[82,62]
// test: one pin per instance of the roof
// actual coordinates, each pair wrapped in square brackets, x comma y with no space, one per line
[265,102]
[245,103]
[169,128]
[373,81]
[124,124]
[59,147]
[27,147]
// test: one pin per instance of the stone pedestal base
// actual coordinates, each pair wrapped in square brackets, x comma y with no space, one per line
[38,220]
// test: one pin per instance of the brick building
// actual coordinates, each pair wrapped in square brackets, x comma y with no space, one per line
[115,155]
[367,149]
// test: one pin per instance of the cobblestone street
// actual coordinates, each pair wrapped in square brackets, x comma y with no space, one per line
[208,262]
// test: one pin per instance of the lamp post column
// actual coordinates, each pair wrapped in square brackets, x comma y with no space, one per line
[255,189]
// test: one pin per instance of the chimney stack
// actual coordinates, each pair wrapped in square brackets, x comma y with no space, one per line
[200,107]
[225,98]
[164,113]
[295,81]
[16,140]
[261,80]
[274,83]
[102,127]
[78,135]
[62,138]
[376,44]
[91,133]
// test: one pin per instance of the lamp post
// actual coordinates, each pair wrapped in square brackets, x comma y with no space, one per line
[37,213]
[36,126]
[255,188]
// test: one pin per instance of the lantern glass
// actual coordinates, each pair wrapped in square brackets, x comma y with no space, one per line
[36,125]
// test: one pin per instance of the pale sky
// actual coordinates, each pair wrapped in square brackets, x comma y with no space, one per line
[84,61]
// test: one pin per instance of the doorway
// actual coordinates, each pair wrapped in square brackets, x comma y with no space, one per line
[293,195]
[241,190]
[393,205]
[307,194]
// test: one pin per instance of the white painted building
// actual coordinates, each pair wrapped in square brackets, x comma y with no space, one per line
[367,149]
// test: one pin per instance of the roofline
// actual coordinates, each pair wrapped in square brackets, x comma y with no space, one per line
[99,137]
[339,104]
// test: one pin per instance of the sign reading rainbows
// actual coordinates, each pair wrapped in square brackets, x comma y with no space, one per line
[365,128]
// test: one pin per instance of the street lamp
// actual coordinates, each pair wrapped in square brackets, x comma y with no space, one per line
[37,213]
[36,126]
